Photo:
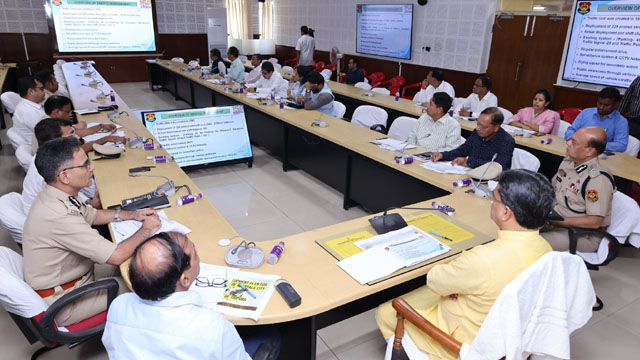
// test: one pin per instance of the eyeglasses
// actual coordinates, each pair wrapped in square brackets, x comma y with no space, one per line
[475,86]
[202,281]
[86,164]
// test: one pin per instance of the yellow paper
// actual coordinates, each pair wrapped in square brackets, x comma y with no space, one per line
[432,222]
[344,246]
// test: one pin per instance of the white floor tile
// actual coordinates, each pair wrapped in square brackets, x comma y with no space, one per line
[322,351]
[605,340]
[371,349]
[270,230]
[351,332]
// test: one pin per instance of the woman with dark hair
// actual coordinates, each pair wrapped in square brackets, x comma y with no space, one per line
[540,117]
[304,47]
[296,82]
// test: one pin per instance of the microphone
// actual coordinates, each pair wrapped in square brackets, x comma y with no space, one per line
[135,143]
[166,188]
[318,122]
[384,223]
[480,190]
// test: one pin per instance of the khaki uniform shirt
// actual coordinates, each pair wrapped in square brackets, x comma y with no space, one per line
[59,244]
[568,183]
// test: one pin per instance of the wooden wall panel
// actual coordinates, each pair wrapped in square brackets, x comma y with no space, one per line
[564,97]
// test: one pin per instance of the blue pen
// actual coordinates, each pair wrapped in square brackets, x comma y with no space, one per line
[246,290]
[442,236]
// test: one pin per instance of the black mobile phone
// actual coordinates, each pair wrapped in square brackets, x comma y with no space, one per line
[140,169]
[609,153]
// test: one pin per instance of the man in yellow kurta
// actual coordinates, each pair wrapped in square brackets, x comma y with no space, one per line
[459,294]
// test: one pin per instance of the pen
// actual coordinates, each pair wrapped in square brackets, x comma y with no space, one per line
[246,290]
[401,243]
[442,236]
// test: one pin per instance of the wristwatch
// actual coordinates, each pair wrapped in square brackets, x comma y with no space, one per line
[101,127]
[116,217]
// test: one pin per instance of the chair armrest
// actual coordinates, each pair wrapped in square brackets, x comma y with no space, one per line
[446,340]
[265,352]
[379,128]
[614,244]
[51,333]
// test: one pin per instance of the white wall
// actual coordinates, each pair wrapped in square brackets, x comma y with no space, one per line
[457,31]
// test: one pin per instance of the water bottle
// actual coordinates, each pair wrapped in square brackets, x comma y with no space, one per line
[546,141]
[152,146]
[187,199]
[112,97]
[275,253]
[281,104]
[462,183]
[273,94]
[398,95]
[444,208]
[160,159]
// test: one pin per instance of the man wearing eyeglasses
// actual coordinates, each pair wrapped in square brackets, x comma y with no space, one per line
[163,319]
[28,111]
[481,98]
[61,249]
[270,83]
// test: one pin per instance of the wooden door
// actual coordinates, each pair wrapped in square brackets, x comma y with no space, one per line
[545,43]
[507,56]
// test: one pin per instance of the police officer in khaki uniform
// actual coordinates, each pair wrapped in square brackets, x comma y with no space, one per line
[60,247]
[584,189]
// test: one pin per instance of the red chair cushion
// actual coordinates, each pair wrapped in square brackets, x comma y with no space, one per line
[569,114]
[85,324]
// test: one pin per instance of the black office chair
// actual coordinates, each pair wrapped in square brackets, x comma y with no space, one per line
[614,249]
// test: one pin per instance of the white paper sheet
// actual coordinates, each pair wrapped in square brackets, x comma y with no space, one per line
[517,130]
[444,167]
[371,264]
[392,144]
[124,229]
[211,295]
[100,135]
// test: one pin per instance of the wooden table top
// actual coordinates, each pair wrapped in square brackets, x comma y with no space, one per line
[322,286]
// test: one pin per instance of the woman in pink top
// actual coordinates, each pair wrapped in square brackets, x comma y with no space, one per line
[540,118]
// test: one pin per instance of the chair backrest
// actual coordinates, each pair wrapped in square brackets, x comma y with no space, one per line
[288,69]
[177,59]
[457,101]
[569,114]
[319,65]
[401,127]
[339,108]
[10,100]
[326,74]
[273,60]
[562,128]
[625,213]
[520,323]
[411,86]
[633,146]
[462,140]
[15,295]
[24,154]
[376,78]
[363,85]
[506,113]
[382,91]
[523,159]
[277,66]
[15,138]
[367,116]
[243,58]
[332,67]
[12,215]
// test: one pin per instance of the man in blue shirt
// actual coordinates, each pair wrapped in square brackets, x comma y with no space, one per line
[163,319]
[605,116]
[354,74]
[236,71]
[486,140]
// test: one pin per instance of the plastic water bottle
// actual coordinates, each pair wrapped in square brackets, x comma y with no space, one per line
[152,146]
[184,200]
[112,97]
[444,208]
[273,94]
[462,183]
[275,253]
[546,141]
[281,104]
[160,159]
[398,95]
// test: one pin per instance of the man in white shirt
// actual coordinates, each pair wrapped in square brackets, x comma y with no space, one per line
[163,319]
[29,111]
[255,74]
[270,82]
[432,84]
[305,46]
[480,99]
[49,82]
[436,130]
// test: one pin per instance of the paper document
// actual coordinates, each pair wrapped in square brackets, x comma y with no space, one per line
[384,254]
[214,274]
[432,222]
[247,295]
[345,247]
[100,135]
[392,144]
[445,167]
[517,130]
[92,124]
[124,229]
[215,81]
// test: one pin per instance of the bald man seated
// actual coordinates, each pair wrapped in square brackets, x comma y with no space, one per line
[163,319]
[584,190]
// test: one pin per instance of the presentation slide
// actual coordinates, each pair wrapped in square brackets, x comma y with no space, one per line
[201,136]
[103,25]
[384,30]
[604,47]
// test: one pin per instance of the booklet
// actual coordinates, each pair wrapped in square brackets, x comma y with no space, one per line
[384,254]
[233,292]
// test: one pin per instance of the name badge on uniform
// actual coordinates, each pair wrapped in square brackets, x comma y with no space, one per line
[75,202]
[581,168]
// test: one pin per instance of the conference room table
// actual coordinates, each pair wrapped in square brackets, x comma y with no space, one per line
[328,293]
[625,168]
